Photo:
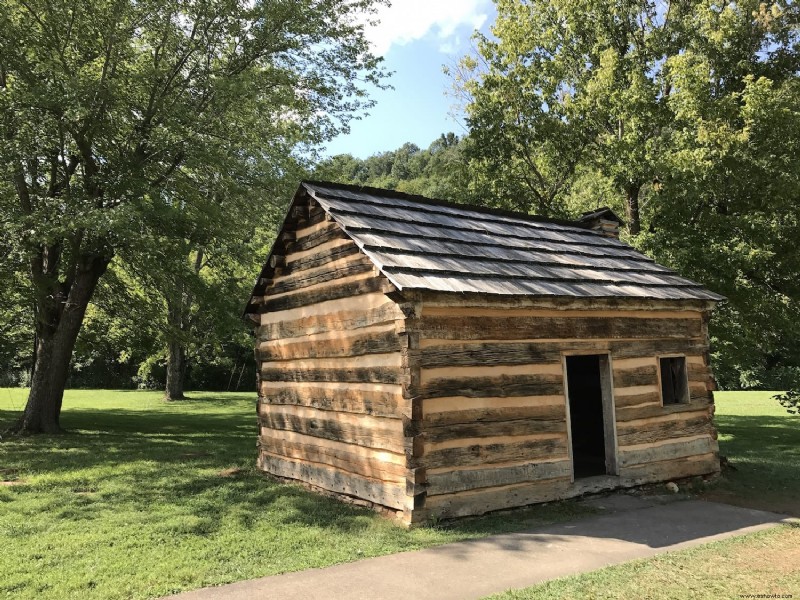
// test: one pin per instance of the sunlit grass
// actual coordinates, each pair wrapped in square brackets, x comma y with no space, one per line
[144,498]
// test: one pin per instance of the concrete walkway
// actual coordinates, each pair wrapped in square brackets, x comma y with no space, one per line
[477,568]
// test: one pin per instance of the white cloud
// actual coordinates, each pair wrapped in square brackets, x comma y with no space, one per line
[409,20]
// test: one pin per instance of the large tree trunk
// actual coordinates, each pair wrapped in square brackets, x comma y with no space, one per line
[632,208]
[176,371]
[178,310]
[176,348]
[57,332]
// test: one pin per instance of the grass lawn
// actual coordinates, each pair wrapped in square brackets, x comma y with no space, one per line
[762,443]
[145,498]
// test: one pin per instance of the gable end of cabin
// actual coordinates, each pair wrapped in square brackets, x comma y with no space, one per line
[333,376]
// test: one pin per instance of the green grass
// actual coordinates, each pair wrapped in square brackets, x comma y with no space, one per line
[134,503]
[762,442]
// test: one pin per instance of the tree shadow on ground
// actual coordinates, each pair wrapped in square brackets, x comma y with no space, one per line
[200,453]
[764,456]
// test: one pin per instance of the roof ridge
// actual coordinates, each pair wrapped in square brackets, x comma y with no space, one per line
[419,199]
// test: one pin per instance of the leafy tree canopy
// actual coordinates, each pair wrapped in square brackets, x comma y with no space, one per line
[126,124]
[685,113]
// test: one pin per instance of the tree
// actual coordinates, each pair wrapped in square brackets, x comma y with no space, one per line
[690,111]
[108,106]
[727,215]
[210,268]
[564,84]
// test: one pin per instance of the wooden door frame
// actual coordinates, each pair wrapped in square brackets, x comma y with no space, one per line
[609,411]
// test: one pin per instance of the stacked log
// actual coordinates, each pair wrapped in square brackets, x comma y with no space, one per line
[493,404]
[330,370]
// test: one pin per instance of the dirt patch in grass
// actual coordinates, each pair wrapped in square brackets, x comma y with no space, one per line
[774,555]
[230,472]
[9,477]
[195,455]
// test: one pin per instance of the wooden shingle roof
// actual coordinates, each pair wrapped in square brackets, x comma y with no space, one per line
[423,244]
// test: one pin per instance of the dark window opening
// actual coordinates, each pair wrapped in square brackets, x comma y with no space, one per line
[674,383]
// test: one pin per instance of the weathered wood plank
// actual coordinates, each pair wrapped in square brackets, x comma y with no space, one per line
[331,292]
[334,480]
[317,238]
[510,328]
[631,413]
[637,376]
[502,386]
[319,259]
[338,320]
[456,431]
[631,349]
[670,469]
[463,480]
[353,400]
[550,308]
[630,433]
[305,279]
[486,454]
[638,455]
[353,375]
[478,301]
[306,218]
[340,456]
[492,371]
[524,353]
[381,342]
[489,415]
[626,400]
[478,502]
[487,355]
[698,372]
[630,400]
[370,432]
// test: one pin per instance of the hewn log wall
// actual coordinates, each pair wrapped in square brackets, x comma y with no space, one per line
[493,405]
[441,406]
[331,375]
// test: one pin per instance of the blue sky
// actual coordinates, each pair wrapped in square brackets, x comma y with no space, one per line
[416,38]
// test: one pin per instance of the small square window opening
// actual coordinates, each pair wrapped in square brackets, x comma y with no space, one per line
[674,382]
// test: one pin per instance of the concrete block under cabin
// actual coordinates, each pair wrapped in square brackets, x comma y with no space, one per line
[441,360]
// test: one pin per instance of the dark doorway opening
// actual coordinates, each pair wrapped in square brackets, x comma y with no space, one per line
[587,425]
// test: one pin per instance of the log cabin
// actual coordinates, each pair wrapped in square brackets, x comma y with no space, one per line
[440,360]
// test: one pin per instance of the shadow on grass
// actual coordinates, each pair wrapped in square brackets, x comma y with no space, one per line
[764,452]
[199,453]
